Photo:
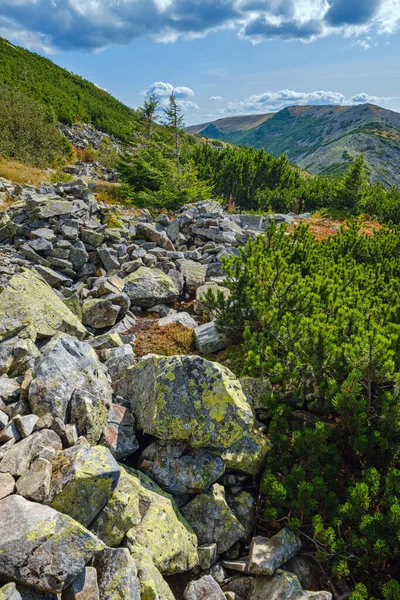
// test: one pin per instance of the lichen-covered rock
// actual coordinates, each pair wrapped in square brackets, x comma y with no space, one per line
[152,584]
[119,432]
[148,287]
[70,383]
[18,458]
[243,505]
[117,575]
[9,592]
[82,482]
[179,469]
[29,304]
[268,554]
[213,520]
[284,586]
[187,398]
[248,454]
[162,530]
[99,313]
[41,548]
[35,484]
[84,587]
[205,588]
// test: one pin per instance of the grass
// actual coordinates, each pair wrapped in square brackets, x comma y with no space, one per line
[22,174]
[171,340]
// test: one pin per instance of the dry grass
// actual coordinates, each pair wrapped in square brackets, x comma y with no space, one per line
[171,340]
[324,227]
[107,192]
[21,174]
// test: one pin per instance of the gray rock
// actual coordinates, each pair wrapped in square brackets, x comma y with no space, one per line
[148,287]
[179,469]
[35,484]
[207,556]
[7,485]
[25,424]
[83,481]
[119,432]
[120,359]
[212,519]
[183,318]
[193,273]
[149,232]
[36,542]
[243,505]
[84,587]
[268,554]
[70,379]
[9,592]
[19,457]
[93,238]
[209,339]
[205,588]
[99,313]
[284,586]
[52,277]
[109,258]
[117,575]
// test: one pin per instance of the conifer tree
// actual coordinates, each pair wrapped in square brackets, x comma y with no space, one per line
[174,120]
[149,113]
[355,182]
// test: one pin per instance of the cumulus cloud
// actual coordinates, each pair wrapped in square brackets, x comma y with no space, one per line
[51,25]
[274,101]
[162,90]
[216,98]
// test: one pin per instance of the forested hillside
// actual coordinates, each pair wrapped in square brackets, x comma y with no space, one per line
[320,139]
[67,97]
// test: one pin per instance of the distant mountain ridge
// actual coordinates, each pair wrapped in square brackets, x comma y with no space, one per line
[320,139]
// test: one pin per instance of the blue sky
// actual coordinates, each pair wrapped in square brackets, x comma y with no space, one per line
[222,57]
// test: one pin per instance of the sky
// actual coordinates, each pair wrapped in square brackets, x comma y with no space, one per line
[220,57]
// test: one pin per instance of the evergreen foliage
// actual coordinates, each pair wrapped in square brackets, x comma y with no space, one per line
[321,320]
[68,97]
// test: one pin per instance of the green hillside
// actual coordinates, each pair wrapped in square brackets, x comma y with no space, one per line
[320,139]
[68,97]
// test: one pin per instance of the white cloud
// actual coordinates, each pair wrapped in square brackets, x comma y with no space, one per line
[163,90]
[274,101]
[50,25]
[216,98]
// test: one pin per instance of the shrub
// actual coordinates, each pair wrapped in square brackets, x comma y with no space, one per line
[322,321]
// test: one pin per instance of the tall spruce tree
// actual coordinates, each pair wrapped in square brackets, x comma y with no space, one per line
[174,121]
[149,113]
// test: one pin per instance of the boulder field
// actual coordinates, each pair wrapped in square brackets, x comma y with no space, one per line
[126,477]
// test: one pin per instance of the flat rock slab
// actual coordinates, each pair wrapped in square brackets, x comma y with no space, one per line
[148,287]
[40,547]
[209,339]
[268,554]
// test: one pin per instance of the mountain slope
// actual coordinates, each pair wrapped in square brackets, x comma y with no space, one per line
[68,97]
[320,139]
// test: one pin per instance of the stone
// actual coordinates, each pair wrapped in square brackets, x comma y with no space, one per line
[187,398]
[29,303]
[251,221]
[120,359]
[117,575]
[182,318]
[212,519]
[193,273]
[70,380]
[209,339]
[9,389]
[84,587]
[147,231]
[179,469]
[40,547]
[9,433]
[7,485]
[93,238]
[249,453]
[54,207]
[266,555]
[205,588]
[18,458]
[148,287]
[207,556]
[35,484]
[25,424]
[83,480]
[109,258]
[119,433]
[202,291]
[99,313]
[241,586]
[152,584]
[284,586]
[9,592]
[243,505]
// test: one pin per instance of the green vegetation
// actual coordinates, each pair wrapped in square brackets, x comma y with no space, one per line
[67,97]
[321,320]
[28,133]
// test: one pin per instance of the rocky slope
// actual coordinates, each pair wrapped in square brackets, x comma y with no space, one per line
[320,139]
[124,478]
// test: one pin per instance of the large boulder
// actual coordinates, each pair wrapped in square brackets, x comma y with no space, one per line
[152,584]
[180,469]
[149,519]
[29,304]
[83,480]
[70,383]
[148,287]
[41,548]
[284,586]
[17,460]
[268,554]
[212,519]
[117,575]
